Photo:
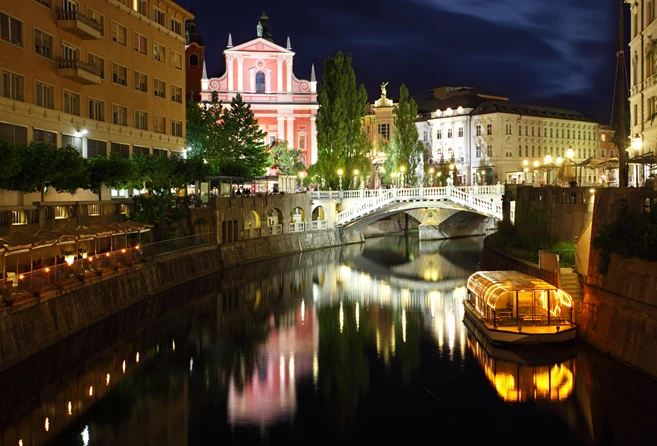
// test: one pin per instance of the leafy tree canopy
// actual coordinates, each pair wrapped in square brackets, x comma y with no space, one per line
[286,158]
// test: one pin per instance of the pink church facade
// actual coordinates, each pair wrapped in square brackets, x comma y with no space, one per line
[284,105]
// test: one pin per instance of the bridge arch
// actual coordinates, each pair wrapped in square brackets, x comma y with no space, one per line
[318,213]
[274,217]
[251,219]
[298,213]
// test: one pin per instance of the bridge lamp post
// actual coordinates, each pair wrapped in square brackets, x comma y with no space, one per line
[340,173]
[536,164]
[548,160]
[431,176]
[440,174]
[451,172]
[402,169]
[392,177]
[356,186]
[525,169]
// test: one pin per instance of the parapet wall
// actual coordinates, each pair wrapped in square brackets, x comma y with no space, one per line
[35,324]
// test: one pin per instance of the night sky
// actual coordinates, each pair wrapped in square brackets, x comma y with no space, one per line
[558,53]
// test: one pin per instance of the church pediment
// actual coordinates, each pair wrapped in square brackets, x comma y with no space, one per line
[259,45]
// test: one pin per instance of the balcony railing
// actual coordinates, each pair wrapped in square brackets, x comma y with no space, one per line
[79,24]
[79,71]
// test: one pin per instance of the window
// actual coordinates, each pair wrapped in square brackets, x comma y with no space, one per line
[260,82]
[139,6]
[478,130]
[176,94]
[18,218]
[176,60]
[13,134]
[176,128]
[520,151]
[69,52]
[43,44]
[45,3]
[44,95]
[160,152]
[302,142]
[489,129]
[141,82]
[11,29]
[73,141]
[96,148]
[636,114]
[138,151]
[13,86]
[141,120]
[176,26]
[97,62]
[603,153]
[159,16]
[119,34]
[45,137]
[119,74]
[159,124]
[439,134]
[71,103]
[526,131]
[539,132]
[98,18]
[460,132]
[193,60]
[384,131]
[96,109]
[159,52]
[478,152]
[533,131]
[159,88]
[489,151]
[568,133]
[123,150]
[563,133]
[70,5]
[119,115]
[449,133]
[551,134]
[425,135]
[140,43]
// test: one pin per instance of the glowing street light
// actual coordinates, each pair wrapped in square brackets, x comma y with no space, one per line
[548,159]
[570,153]
[637,142]
[356,179]
[402,169]
[340,173]
[431,175]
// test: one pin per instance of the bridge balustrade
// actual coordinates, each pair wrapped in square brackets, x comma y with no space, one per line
[297,227]
[319,224]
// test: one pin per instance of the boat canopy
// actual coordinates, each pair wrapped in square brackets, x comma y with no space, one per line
[491,285]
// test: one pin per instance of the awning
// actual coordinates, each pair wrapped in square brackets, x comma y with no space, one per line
[23,240]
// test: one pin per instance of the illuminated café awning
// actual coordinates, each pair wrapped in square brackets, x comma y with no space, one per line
[22,240]
[491,285]
[646,158]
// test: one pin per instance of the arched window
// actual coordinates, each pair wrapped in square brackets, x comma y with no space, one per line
[193,60]
[260,82]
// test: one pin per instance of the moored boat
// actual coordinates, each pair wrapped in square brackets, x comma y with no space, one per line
[513,308]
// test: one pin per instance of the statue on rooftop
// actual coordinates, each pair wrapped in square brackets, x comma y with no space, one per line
[259,29]
[383,89]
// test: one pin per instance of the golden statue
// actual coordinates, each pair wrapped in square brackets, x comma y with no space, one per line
[383,89]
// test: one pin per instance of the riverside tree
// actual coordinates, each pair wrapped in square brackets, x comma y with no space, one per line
[341,143]
[286,158]
[405,149]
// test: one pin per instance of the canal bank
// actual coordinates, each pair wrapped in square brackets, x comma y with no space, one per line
[37,323]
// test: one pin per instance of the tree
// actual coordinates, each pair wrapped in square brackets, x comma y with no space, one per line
[244,153]
[405,149]
[113,172]
[341,143]
[205,133]
[286,159]
[72,173]
[10,163]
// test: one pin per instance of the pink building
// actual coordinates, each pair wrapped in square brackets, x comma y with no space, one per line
[261,71]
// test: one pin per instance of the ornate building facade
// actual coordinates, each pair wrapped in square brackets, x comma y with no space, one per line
[492,140]
[194,59]
[378,125]
[262,73]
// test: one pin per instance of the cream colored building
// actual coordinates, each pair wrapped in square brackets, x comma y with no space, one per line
[378,125]
[490,138]
[643,83]
[102,75]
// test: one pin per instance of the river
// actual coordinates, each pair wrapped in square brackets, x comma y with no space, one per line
[352,345]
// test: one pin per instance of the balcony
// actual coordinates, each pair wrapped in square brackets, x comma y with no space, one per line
[78,71]
[79,25]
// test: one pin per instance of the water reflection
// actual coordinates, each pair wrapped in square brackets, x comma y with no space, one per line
[347,344]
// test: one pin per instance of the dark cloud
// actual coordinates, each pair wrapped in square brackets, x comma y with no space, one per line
[544,52]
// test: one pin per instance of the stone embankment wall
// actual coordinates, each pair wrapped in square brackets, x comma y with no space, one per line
[495,260]
[35,324]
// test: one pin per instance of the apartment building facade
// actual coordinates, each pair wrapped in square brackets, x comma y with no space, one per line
[104,76]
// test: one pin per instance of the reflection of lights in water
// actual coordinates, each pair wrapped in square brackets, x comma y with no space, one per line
[191,365]
[107,379]
[378,342]
[91,391]
[460,293]
[434,299]
[20,442]
[157,349]
[46,424]
[341,318]
[404,325]
[70,408]
[123,366]
[357,317]
[406,297]
[315,369]
[451,331]
[303,312]
[173,345]
[291,367]
[281,370]
[393,340]
[85,436]
[137,357]
[385,291]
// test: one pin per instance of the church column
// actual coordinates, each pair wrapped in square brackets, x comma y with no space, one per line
[288,75]
[240,74]
[252,75]
[279,74]
[290,132]
[229,68]
[313,141]
[281,128]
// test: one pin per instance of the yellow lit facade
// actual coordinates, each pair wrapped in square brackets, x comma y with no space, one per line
[105,76]
[378,125]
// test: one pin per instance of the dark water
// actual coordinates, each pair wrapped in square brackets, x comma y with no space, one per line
[357,345]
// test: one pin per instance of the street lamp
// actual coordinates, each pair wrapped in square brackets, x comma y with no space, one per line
[340,173]
[570,153]
[356,179]
[431,176]
[402,169]
[302,175]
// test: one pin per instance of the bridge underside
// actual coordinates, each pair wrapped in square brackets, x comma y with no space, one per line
[441,220]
